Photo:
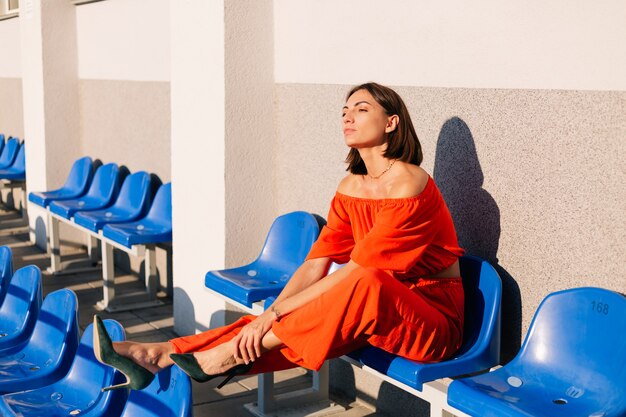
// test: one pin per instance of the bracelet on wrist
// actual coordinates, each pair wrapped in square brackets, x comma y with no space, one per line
[276,312]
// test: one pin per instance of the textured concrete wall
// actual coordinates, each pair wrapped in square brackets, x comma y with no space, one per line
[11,111]
[127,122]
[249,134]
[534,179]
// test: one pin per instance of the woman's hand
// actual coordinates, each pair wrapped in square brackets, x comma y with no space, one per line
[247,343]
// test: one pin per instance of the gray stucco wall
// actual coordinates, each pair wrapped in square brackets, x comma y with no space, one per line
[11,113]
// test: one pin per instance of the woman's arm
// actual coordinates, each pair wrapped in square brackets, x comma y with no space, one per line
[289,303]
[305,285]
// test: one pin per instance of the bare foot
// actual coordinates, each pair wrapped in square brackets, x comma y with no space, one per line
[152,356]
[217,360]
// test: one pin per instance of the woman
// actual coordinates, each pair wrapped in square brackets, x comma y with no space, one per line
[400,289]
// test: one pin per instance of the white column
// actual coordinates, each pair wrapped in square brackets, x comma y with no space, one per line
[250,143]
[50,98]
[198,190]
[222,145]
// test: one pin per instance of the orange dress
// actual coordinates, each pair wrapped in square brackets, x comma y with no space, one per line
[388,302]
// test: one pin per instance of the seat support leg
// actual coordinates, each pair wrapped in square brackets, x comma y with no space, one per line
[92,249]
[151,273]
[55,245]
[108,276]
[305,402]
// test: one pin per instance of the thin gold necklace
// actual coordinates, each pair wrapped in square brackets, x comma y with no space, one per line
[382,173]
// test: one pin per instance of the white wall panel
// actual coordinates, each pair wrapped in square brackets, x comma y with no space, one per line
[534,44]
[124,40]
[10,58]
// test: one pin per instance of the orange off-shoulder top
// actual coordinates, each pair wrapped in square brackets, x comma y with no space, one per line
[409,237]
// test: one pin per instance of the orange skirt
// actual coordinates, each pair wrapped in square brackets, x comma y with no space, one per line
[420,319]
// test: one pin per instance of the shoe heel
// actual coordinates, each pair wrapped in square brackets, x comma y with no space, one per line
[225,381]
[114,387]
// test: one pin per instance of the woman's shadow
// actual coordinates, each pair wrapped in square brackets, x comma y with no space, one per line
[476,216]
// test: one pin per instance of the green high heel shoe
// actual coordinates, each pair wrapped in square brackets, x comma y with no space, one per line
[188,363]
[137,377]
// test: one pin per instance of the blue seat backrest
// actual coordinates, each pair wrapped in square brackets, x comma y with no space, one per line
[6,270]
[9,152]
[161,209]
[580,334]
[105,184]
[80,176]
[289,239]
[483,294]
[22,302]
[169,395]
[56,329]
[135,192]
[1,142]
[19,164]
[86,374]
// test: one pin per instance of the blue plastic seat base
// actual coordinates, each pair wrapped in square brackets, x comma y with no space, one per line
[481,342]
[19,309]
[44,198]
[102,190]
[141,232]
[47,356]
[131,204]
[156,227]
[67,208]
[9,152]
[571,363]
[96,219]
[286,246]
[12,174]
[6,269]
[79,392]
[169,395]
[248,284]
[75,185]
[17,170]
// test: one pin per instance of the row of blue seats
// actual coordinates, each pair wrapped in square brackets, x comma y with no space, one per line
[571,363]
[93,197]
[12,159]
[47,370]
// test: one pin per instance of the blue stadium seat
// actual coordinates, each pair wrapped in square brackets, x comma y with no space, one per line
[17,170]
[102,192]
[79,392]
[132,203]
[9,152]
[76,184]
[6,271]
[572,363]
[156,227]
[481,344]
[287,244]
[169,395]
[1,142]
[49,352]
[19,309]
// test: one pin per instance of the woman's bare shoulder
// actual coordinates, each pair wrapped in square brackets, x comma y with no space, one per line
[410,183]
[348,184]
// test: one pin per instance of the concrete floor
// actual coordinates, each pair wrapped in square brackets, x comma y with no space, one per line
[151,325]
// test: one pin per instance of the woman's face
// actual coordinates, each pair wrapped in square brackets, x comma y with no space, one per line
[365,123]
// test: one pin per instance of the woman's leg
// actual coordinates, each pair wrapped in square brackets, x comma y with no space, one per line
[372,307]
[152,356]
[369,307]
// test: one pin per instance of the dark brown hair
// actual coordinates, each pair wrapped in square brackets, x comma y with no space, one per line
[402,143]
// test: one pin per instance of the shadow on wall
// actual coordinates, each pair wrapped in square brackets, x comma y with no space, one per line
[476,216]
